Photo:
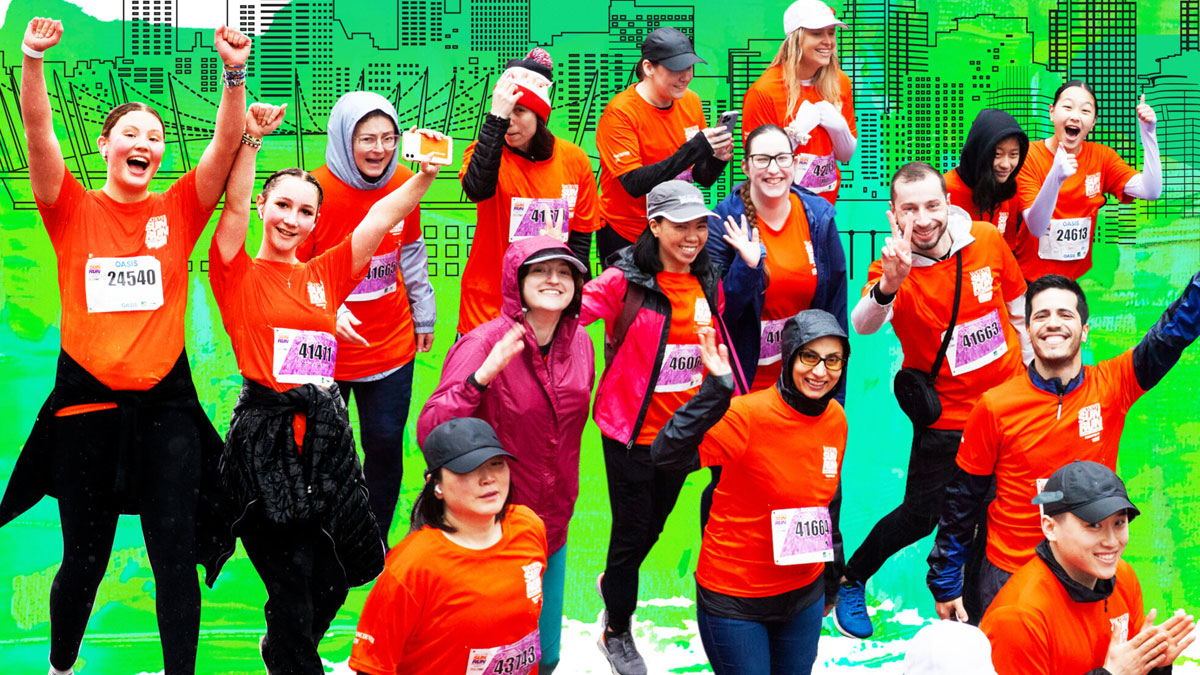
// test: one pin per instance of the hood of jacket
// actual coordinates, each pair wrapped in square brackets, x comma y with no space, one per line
[989,128]
[799,330]
[510,289]
[339,146]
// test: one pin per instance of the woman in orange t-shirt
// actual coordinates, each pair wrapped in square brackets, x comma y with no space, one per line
[771,555]
[289,460]
[123,431]
[984,184]
[463,591]
[524,181]
[805,91]
[1066,179]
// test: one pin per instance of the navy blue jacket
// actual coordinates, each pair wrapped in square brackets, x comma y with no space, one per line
[745,288]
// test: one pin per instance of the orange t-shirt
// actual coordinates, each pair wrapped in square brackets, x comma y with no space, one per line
[793,270]
[122,274]
[442,608]
[1035,627]
[530,197]
[631,134]
[1066,247]
[681,372]
[1007,217]
[380,300]
[773,459]
[766,103]
[987,350]
[1018,432]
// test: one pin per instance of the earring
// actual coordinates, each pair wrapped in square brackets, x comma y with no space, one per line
[437,490]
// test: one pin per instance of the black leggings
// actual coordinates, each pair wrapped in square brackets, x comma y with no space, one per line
[641,497]
[168,479]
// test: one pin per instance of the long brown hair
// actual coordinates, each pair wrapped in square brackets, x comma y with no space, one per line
[825,80]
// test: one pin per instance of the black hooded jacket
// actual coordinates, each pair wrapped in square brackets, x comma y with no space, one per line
[978,154]
[676,448]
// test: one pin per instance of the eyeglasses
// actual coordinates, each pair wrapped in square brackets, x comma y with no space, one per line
[388,142]
[833,362]
[783,161]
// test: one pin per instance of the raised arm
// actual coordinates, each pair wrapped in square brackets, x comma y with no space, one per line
[230,235]
[214,166]
[46,165]
[388,211]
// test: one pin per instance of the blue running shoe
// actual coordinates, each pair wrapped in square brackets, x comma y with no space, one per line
[850,615]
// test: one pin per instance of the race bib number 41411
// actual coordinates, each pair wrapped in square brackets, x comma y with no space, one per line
[304,357]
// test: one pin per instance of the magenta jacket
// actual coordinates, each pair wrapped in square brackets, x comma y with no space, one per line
[627,385]
[537,406]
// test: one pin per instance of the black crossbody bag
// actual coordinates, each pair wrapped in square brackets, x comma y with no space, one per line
[914,387]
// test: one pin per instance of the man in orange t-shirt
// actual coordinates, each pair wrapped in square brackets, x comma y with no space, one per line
[1019,432]
[1077,607]
[912,285]
[653,132]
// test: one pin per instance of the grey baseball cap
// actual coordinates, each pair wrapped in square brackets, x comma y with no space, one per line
[677,201]
[1089,490]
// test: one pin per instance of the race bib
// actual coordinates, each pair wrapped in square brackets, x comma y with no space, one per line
[518,658]
[381,278]
[304,357]
[818,173]
[531,216]
[1066,239]
[131,284]
[769,343]
[800,536]
[681,369]
[976,343]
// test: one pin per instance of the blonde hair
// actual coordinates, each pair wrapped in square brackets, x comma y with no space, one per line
[825,80]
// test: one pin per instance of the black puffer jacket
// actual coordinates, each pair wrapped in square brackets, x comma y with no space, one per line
[323,484]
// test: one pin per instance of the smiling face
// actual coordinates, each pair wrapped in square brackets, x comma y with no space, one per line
[679,243]
[548,286]
[1087,551]
[133,151]
[817,47]
[1073,116]
[480,493]
[1056,328]
[927,206]
[771,181]
[1008,155]
[370,136]
[522,125]
[817,381]
[667,84]
[289,213]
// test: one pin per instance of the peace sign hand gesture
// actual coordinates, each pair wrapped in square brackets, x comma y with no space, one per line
[744,240]
[897,254]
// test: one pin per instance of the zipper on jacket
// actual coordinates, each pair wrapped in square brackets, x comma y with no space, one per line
[1060,389]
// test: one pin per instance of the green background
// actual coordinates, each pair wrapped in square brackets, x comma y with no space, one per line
[921,71]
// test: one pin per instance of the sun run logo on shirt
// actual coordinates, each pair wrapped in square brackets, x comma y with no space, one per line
[703,315]
[1092,185]
[533,581]
[398,229]
[617,157]
[829,463]
[156,232]
[1120,627]
[1002,221]
[981,284]
[1091,423]
[316,293]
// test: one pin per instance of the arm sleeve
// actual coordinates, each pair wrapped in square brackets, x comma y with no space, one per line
[675,446]
[1163,344]
[868,315]
[1148,183]
[833,570]
[1041,210]
[1117,173]
[455,396]
[414,265]
[639,182]
[481,171]
[580,244]
[586,217]
[962,509]
[708,170]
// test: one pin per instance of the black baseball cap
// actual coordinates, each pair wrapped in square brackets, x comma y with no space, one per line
[670,49]
[461,444]
[1089,490]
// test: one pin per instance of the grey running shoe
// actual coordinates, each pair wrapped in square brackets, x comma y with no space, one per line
[622,654]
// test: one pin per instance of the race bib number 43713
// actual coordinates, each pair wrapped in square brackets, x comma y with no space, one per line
[518,658]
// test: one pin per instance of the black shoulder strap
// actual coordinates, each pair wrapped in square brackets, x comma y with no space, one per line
[941,355]
[634,295]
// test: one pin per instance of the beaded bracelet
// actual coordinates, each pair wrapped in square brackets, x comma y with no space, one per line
[252,141]
[235,76]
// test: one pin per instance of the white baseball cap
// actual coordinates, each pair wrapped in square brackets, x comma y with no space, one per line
[810,14]
[949,648]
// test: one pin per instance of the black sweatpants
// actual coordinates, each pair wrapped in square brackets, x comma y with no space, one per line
[640,497]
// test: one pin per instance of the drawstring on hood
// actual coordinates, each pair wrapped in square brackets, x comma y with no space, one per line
[349,110]
[800,330]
